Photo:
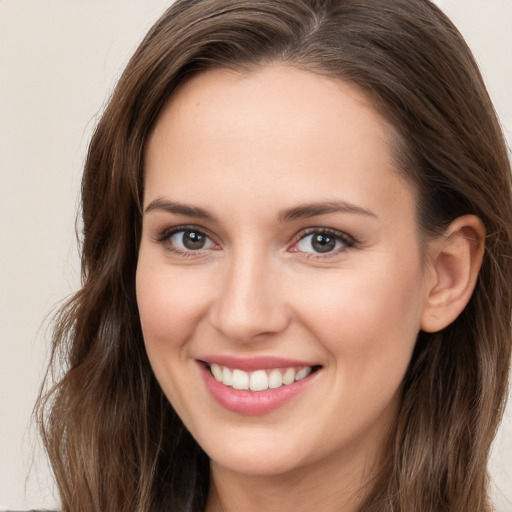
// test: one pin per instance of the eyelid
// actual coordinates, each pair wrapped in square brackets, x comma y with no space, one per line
[348,241]
[165,234]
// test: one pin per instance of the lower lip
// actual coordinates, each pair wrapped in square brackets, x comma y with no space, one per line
[253,402]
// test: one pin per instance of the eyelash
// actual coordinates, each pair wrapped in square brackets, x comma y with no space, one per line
[166,235]
[347,241]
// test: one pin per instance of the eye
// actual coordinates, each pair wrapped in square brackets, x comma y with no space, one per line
[323,241]
[185,240]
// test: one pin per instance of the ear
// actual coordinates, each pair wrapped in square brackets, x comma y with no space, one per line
[454,262]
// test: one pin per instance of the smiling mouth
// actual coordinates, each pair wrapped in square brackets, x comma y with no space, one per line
[259,380]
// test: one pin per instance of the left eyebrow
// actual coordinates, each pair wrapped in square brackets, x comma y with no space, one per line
[305,211]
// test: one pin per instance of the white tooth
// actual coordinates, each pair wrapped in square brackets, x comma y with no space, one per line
[216,372]
[240,379]
[289,376]
[258,381]
[304,372]
[275,379]
[227,376]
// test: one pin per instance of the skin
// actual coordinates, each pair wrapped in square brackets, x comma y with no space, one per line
[245,147]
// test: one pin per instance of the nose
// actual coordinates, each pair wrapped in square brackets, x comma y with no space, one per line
[249,304]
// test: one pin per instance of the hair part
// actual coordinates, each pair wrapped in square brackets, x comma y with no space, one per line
[114,441]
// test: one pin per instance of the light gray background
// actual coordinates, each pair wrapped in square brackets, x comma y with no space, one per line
[59,60]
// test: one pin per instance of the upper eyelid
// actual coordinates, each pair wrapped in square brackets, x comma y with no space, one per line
[166,233]
[349,243]
[331,231]
[163,237]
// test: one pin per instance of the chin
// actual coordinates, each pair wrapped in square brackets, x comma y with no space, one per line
[256,466]
[255,458]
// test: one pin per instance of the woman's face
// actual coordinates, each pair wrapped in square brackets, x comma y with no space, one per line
[279,253]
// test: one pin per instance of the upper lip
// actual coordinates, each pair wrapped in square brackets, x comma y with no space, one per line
[249,364]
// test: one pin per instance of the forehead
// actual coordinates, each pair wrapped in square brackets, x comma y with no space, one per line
[247,98]
[300,132]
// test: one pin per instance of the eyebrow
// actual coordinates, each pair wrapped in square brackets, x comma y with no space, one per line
[178,208]
[304,211]
[301,211]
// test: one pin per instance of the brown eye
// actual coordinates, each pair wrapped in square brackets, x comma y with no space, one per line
[322,242]
[193,240]
[186,240]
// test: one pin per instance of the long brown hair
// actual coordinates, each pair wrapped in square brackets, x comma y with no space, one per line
[114,441]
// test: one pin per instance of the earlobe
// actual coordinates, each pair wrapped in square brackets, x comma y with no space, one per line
[455,260]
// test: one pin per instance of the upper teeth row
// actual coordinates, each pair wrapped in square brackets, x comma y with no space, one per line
[258,380]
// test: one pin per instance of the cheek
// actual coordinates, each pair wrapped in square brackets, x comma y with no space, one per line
[368,325]
[169,305]
[367,319]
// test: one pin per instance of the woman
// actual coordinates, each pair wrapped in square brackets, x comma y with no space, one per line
[296,269]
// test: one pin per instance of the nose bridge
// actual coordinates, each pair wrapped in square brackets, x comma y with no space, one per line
[248,303]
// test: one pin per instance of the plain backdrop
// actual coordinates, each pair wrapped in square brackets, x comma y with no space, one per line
[59,60]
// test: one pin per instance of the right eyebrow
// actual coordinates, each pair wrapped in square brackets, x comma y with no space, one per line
[160,204]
